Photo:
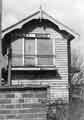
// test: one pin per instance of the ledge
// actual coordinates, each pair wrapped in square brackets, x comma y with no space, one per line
[22,88]
[33,68]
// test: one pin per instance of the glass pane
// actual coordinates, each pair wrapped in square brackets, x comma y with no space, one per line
[17,50]
[29,52]
[30,61]
[45,61]
[17,61]
[29,47]
[44,50]
[44,47]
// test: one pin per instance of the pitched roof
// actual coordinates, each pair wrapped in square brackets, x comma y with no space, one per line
[38,15]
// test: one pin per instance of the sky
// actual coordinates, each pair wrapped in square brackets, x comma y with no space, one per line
[68,12]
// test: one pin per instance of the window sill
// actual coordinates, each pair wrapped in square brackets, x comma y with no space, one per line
[52,67]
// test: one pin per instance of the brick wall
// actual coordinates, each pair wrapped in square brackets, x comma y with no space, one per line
[19,105]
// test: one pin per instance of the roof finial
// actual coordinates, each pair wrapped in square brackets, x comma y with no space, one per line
[40,10]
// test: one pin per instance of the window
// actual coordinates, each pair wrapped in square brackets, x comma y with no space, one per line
[45,51]
[29,52]
[17,52]
[36,50]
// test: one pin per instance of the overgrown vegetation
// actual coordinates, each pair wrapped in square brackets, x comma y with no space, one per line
[57,112]
[76,106]
[75,109]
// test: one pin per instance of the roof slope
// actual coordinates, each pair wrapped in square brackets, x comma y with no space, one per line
[40,14]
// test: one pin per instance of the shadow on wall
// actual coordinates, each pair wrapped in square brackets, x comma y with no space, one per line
[30,75]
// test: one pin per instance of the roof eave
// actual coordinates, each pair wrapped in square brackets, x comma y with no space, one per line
[45,15]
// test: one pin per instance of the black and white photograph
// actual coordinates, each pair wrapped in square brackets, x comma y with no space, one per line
[41,60]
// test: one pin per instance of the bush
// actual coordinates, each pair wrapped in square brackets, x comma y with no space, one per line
[57,112]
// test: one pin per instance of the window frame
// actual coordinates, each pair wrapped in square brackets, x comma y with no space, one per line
[36,38]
